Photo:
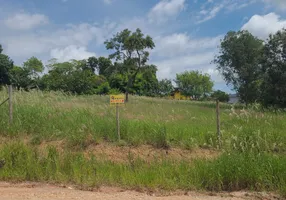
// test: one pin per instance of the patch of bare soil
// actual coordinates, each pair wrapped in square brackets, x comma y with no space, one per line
[117,153]
[36,191]
[147,153]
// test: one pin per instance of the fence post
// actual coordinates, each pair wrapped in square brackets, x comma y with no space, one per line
[10,90]
[218,123]
[117,122]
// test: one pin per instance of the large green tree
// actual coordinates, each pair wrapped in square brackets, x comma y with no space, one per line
[239,63]
[6,64]
[194,84]
[131,49]
[274,71]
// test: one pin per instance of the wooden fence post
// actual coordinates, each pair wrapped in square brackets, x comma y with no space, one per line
[218,123]
[117,121]
[10,90]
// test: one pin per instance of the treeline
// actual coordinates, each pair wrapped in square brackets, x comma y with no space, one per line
[255,68]
[90,76]
[126,70]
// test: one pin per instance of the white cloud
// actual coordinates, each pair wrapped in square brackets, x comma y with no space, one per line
[26,21]
[165,9]
[168,68]
[183,44]
[263,25]
[239,4]
[71,52]
[207,15]
[178,52]
[210,9]
[182,63]
[21,46]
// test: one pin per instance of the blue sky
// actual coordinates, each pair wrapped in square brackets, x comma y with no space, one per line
[186,32]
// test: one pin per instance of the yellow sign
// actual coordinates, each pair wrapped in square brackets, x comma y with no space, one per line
[117,99]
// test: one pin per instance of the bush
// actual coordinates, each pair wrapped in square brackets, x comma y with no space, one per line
[104,88]
[220,95]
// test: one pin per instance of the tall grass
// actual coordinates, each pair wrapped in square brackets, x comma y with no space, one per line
[83,120]
[228,172]
[253,142]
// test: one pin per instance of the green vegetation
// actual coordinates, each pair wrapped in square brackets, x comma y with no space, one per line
[229,172]
[52,116]
[220,95]
[131,51]
[239,63]
[6,64]
[252,152]
[273,86]
[165,87]
[194,84]
[256,69]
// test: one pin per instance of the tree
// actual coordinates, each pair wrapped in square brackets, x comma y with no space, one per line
[146,82]
[220,95]
[131,49]
[104,88]
[92,63]
[6,64]
[238,62]
[118,81]
[104,67]
[194,84]
[274,71]
[34,66]
[165,87]
[20,78]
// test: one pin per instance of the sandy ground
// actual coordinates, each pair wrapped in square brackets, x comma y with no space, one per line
[35,191]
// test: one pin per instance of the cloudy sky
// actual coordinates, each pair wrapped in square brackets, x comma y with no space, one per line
[186,32]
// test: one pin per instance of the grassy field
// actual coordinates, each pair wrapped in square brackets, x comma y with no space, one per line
[252,154]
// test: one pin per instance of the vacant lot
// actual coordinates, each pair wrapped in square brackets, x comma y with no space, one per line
[165,145]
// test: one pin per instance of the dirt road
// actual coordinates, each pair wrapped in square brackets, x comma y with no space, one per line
[31,191]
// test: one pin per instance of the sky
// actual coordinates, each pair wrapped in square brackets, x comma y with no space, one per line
[186,33]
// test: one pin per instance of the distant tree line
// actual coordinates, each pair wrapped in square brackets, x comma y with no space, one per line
[256,69]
